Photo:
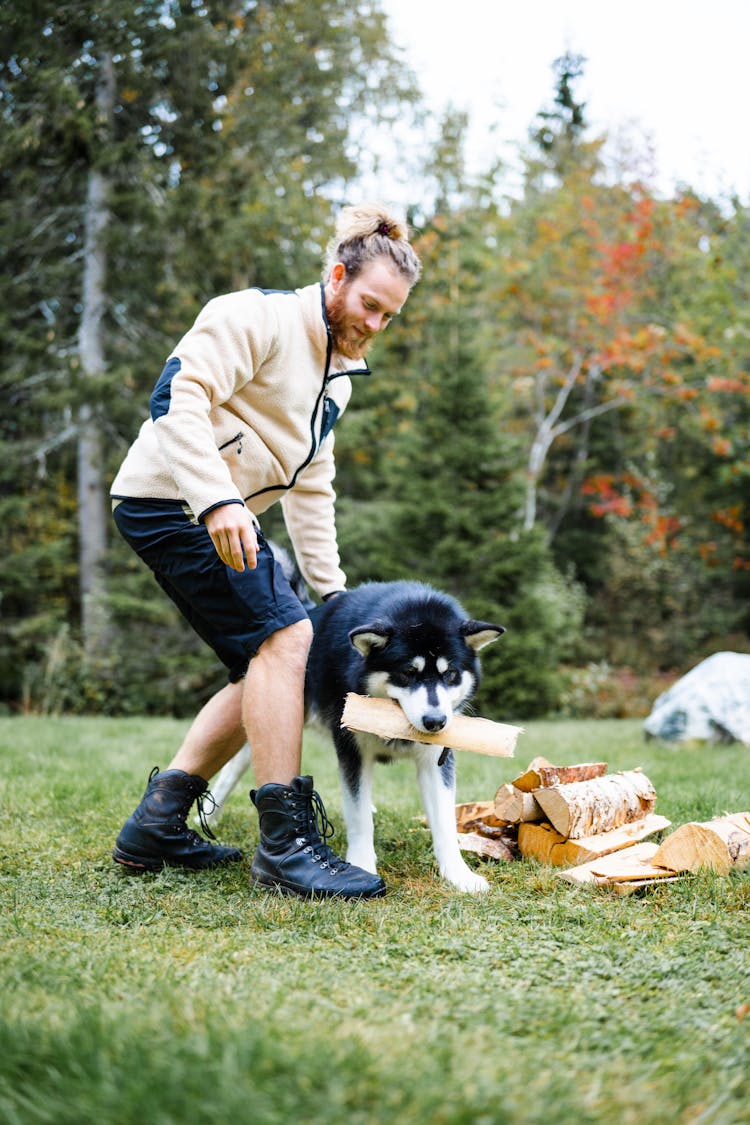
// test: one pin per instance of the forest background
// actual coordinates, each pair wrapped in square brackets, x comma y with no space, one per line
[557,429]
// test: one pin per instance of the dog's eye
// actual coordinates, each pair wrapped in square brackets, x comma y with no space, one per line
[452,677]
[399,679]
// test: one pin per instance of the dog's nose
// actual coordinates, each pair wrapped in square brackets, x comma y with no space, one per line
[434,723]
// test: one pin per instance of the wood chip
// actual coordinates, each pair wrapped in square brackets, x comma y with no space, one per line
[484,845]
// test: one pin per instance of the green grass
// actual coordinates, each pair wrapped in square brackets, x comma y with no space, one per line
[195,998]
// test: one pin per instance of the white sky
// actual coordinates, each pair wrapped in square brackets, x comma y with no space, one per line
[674,74]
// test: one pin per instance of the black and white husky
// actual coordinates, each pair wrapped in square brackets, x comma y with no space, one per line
[405,641]
[409,642]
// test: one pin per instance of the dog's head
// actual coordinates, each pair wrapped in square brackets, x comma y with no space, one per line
[428,665]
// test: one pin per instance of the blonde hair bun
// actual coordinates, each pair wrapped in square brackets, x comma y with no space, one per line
[366,232]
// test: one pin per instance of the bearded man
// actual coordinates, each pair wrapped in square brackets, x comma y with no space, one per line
[241,417]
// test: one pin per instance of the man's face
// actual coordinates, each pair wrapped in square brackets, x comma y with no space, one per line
[359,309]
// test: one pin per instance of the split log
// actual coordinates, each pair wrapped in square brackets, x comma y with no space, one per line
[543,843]
[585,808]
[514,806]
[484,845]
[385,718]
[634,864]
[471,811]
[719,845]
[634,885]
[479,816]
[541,774]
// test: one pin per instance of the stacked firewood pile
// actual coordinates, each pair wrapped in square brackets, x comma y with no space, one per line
[594,824]
[597,826]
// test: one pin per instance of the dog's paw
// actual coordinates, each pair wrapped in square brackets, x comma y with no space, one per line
[361,857]
[467,881]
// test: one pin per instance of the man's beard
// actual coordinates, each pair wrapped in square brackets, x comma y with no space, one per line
[346,340]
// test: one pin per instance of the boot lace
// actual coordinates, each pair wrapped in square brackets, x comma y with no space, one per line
[318,829]
[199,804]
[200,799]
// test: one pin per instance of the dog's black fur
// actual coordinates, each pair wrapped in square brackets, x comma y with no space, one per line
[412,643]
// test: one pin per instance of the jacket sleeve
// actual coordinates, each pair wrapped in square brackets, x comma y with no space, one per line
[310,520]
[219,355]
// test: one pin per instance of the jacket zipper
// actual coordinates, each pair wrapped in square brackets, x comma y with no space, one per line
[237,439]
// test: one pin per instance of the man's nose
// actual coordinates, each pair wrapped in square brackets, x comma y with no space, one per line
[374,321]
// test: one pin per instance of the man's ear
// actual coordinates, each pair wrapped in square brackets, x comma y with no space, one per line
[369,637]
[337,276]
[477,634]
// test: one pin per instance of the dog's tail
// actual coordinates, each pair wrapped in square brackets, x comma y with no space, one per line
[292,573]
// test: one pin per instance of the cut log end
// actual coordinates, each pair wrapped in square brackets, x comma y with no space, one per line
[717,845]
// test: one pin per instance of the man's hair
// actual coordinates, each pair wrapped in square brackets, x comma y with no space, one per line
[368,232]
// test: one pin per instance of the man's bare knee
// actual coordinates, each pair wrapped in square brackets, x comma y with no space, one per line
[290,644]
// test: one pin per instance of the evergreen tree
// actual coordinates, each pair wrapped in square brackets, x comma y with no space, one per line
[427,464]
[558,143]
[202,174]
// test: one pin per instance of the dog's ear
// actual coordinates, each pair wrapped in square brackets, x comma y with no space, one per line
[477,634]
[369,637]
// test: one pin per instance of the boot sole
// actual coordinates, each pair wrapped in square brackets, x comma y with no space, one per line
[300,892]
[139,865]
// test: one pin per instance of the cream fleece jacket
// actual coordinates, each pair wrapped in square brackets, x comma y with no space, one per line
[242,413]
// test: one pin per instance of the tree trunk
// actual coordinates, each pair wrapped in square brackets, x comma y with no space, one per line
[92,497]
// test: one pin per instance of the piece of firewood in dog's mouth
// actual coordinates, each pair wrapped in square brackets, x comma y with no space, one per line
[385,718]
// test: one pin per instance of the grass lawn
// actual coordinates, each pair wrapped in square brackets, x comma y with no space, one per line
[194,998]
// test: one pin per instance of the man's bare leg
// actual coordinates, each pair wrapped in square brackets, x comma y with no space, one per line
[273,705]
[156,834]
[292,854]
[215,735]
[270,699]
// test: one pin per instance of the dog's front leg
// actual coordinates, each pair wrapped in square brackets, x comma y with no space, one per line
[356,793]
[437,785]
[226,780]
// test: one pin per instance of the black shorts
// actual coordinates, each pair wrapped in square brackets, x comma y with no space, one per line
[234,612]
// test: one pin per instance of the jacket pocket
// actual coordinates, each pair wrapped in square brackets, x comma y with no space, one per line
[328,421]
[235,442]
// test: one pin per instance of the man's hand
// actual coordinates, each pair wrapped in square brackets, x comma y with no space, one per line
[232,532]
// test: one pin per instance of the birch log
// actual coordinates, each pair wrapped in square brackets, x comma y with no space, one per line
[719,845]
[385,718]
[584,808]
[543,774]
[515,807]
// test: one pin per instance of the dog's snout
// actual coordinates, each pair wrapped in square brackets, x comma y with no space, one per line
[434,723]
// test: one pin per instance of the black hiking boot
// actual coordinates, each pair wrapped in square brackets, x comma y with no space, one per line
[292,854]
[156,834]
